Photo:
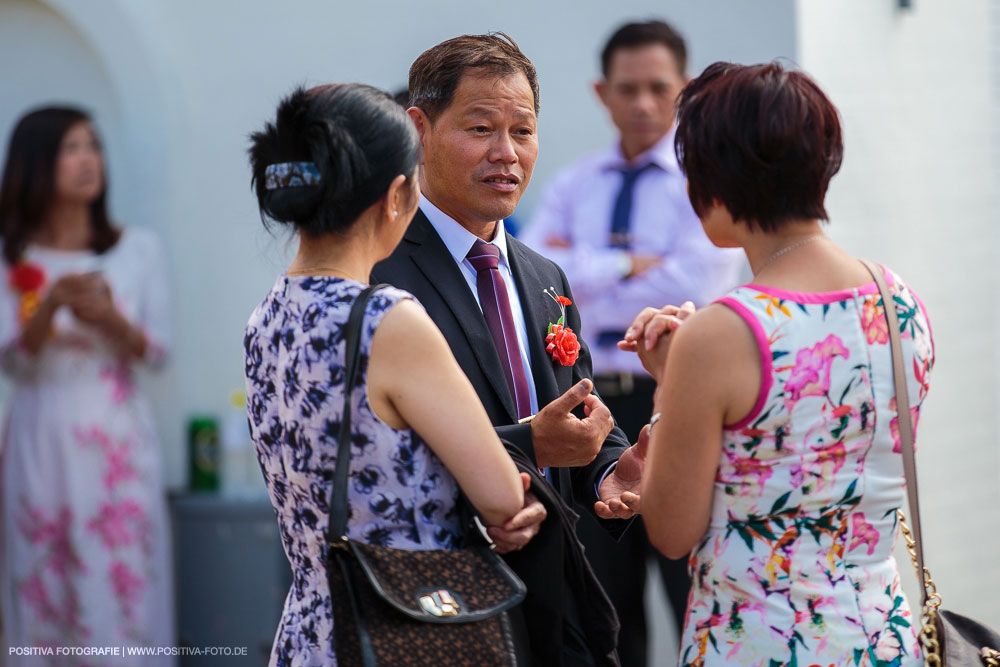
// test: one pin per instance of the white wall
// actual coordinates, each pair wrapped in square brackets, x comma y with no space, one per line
[918,191]
[179,85]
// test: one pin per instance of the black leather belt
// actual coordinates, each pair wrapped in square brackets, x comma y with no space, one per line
[622,383]
[609,338]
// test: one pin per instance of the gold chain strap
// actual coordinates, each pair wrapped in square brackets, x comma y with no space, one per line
[928,615]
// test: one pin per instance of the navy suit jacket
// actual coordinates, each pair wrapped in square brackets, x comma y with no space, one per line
[422,265]
[572,598]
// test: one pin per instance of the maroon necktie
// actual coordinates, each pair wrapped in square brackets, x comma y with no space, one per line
[485,259]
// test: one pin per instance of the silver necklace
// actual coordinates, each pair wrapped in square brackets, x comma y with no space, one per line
[788,249]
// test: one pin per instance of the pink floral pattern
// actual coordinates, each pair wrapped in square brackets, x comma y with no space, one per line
[118,466]
[128,586]
[874,324]
[50,576]
[119,376]
[864,533]
[84,527]
[36,595]
[894,424]
[811,374]
[796,566]
[120,524]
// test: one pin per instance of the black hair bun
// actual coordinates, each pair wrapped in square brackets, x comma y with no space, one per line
[284,140]
[354,135]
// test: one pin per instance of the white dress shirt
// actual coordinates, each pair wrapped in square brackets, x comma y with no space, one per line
[459,242]
[572,227]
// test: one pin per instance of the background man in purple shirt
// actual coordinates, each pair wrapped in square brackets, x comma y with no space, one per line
[620,224]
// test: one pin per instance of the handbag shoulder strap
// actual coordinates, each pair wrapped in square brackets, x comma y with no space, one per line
[904,416]
[336,528]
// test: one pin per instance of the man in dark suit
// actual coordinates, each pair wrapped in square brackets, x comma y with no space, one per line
[474,100]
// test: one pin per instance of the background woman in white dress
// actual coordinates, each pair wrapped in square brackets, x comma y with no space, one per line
[84,552]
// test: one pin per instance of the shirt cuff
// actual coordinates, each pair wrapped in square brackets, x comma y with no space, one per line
[607,471]
[624,264]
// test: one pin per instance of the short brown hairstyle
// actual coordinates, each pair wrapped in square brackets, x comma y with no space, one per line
[635,35]
[435,75]
[763,140]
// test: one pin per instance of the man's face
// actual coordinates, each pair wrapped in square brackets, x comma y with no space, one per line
[479,153]
[640,93]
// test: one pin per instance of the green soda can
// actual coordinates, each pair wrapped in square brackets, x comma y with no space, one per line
[203,453]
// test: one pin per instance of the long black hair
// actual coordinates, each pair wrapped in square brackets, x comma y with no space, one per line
[28,186]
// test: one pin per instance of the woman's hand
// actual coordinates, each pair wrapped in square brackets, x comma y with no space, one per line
[649,335]
[92,302]
[64,292]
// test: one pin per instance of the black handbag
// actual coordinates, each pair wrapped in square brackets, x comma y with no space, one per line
[400,607]
[947,638]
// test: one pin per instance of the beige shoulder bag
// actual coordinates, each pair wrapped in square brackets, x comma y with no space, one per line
[947,638]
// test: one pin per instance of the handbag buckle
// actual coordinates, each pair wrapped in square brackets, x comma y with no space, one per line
[439,603]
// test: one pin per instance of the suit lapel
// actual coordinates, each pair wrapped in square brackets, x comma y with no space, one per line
[437,264]
[539,310]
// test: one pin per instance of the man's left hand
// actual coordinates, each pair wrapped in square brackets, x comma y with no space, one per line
[619,493]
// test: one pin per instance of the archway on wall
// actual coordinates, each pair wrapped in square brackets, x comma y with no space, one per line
[55,65]
[95,55]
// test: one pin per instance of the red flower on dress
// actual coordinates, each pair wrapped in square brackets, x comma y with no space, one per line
[26,277]
[560,340]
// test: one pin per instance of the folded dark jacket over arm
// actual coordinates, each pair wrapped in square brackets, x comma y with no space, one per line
[554,550]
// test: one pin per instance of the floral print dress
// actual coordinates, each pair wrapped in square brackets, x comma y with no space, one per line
[84,560]
[400,494]
[796,566]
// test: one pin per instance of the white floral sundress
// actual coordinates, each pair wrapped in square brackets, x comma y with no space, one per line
[85,552]
[796,567]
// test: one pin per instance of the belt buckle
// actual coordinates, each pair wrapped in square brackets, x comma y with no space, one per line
[615,383]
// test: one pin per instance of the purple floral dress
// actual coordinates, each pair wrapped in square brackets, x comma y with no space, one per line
[400,494]
[796,567]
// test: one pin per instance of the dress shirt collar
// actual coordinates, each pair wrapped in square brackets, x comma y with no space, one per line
[661,154]
[457,238]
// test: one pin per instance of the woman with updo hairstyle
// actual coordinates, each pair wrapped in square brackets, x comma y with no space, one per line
[338,165]
[774,460]
[84,550]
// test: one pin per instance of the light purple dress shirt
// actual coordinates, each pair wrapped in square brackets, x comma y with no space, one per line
[459,242]
[576,212]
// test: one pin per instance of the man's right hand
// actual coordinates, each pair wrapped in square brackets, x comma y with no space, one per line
[563,440]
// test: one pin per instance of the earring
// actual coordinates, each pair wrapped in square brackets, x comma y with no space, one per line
[395,213]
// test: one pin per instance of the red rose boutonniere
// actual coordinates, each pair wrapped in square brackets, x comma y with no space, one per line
[561,342]
[27,279]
